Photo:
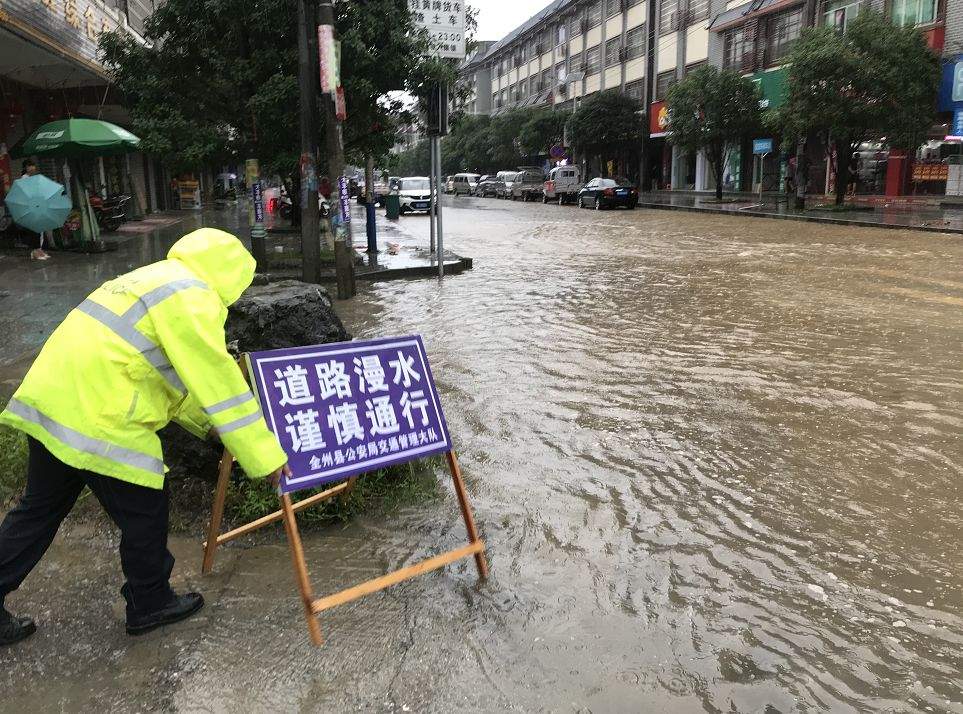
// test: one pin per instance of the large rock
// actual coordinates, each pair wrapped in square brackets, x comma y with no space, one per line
[288,313]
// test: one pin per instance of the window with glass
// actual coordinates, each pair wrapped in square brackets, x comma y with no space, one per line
[494,99]
[633,3]
[735,46]
[575,25]
[908,13]
[593,59]
[782,31]
[635,42]
[690,68]
[668,11]
[698,10]
[560,34]
[612,52]
[546,80]
[663,83]
[560,72]
[594,13]
[839,13]
[636,90]
[613,7]
[576,64]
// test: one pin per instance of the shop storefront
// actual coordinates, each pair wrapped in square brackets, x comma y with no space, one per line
[49,70]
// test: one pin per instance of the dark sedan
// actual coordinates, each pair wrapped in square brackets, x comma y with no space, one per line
[602,193]
[488,186]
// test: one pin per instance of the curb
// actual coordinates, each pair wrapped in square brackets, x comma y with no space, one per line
[805,219]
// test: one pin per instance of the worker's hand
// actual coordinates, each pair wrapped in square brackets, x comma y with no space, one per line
[275,478]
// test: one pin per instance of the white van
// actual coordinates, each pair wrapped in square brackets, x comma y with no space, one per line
[562,185]
[464,184]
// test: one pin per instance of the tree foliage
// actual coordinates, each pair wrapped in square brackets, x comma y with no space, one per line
[876,81]
[607,124]
[218,80]
[713,110]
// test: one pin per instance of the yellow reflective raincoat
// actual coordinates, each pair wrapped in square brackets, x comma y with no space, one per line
[143,349]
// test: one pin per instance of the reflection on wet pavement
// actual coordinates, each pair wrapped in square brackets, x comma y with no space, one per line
[716,461]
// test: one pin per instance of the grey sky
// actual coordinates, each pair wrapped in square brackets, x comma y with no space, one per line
[496,18]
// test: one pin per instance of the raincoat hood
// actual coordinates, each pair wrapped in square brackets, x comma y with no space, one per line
[219,259]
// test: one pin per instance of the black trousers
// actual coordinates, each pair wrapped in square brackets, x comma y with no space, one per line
[52,489]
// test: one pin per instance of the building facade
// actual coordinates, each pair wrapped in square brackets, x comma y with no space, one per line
[574,48]
[50,69]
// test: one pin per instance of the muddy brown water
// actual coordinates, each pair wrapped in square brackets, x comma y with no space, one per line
[717,462]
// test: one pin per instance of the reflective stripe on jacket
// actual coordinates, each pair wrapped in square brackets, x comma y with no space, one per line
[141,350]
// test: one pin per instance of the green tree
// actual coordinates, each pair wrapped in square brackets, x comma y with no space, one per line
[543,129]
[876,81]
[607,125]
[713,110]
[218,80]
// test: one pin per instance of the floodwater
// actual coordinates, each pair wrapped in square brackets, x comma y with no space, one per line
[717,463]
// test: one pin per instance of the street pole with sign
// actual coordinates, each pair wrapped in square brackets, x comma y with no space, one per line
[256,215]
[445,25]
[334,113]
[761,148]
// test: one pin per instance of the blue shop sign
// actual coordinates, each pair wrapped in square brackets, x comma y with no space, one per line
[951,87]
[762,146]
[957,129]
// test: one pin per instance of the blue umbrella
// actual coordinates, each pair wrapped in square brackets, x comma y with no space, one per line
[38,204]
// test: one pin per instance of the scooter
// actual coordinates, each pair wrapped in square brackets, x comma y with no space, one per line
[110,212]
[285,207]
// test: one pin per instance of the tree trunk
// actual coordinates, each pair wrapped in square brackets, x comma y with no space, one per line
[843,156]
[718,168]
[295,195]
[802,174]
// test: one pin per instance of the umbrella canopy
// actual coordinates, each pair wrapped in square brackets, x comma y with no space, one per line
[37,203]
[76,137]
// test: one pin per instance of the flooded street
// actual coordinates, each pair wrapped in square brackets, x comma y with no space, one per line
[716,461]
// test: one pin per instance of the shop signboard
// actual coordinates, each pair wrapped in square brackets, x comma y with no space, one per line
[71,27]
[658,119]
[346,408]
[957,128]
[444,20]
[951,86]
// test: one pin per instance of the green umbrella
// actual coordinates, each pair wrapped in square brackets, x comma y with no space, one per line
[37,203]
[77,137]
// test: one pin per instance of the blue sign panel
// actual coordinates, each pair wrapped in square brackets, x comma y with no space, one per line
[258,200]
[951,87]
[762,146]
[346,408]
[957,129]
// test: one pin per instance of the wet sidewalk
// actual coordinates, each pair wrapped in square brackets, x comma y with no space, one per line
[937,219]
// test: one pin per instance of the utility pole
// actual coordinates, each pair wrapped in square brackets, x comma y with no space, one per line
[334,148]
[308,88]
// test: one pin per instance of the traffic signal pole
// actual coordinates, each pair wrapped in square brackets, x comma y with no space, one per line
[308,90]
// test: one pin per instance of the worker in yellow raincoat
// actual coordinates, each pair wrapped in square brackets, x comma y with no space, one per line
[141,350]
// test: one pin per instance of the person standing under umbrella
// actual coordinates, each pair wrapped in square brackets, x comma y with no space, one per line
[38,253]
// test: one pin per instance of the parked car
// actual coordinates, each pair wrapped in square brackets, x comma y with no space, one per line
[464,184]
[488,186]
[563,185]
[506,178]
[414,194]
[449,184]
[602,193]
[528,185]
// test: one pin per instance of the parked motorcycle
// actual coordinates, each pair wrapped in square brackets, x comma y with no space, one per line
[285,207]
[111,212]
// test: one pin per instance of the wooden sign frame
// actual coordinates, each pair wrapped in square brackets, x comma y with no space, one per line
[315,606]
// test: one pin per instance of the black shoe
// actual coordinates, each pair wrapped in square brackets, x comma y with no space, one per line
[180,608]
[13,629]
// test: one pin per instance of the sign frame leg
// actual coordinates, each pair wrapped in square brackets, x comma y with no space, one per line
[217,510]
[300,569]
[481,562]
